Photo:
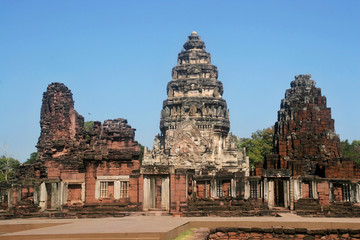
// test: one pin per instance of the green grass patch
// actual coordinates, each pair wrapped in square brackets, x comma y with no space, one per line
[186,235]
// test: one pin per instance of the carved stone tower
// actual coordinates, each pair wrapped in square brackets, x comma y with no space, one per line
[195,120]
[304,137]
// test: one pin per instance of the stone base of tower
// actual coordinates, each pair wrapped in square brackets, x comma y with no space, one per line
[183,190]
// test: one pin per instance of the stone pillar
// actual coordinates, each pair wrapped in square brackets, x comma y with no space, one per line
[194,187]
[291,193]
[61,194]
[97,189]
[213,187]
[147,193]
[297,192]
[187,186]
[83,192]
[36,194]
[266,189]
[54,195]
[9,193]
[165,193]
[65,192]
[43,196]
[331,197]
[286,193]
[357,192]
[117,189]
[271,197]
[233,187]
[247,189]
[314,189]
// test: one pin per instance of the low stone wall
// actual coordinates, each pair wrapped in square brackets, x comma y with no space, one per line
[224,207]
[282,233]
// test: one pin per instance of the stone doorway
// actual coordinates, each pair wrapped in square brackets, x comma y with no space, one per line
[279,192]
[74,193]
[156,192]
[49,195]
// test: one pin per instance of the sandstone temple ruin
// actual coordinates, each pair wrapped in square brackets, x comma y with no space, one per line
[195,167]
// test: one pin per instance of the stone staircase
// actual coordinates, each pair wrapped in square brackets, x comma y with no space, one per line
[342,209]
[224,207]
[308,207]
[156,212]
[96,211]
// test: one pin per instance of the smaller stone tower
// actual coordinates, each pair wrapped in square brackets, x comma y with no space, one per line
[304,137]
[61,126]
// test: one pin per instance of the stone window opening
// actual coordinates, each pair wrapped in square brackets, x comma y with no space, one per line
[223,188]
[106,189]
[103,189]
[254,189]
[306,189]
[219,191]
[346,192]
[202,189]
[124,189]
[340,192]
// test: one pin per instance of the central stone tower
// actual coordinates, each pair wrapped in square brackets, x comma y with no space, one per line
[195,120]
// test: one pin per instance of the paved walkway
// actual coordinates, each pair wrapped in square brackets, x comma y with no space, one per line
[152,227]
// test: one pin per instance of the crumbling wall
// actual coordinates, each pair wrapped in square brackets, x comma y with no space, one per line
[304,135]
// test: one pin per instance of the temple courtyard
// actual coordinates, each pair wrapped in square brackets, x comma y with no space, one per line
[168,227]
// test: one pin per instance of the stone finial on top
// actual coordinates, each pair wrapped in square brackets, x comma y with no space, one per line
[303,80]
[194,42]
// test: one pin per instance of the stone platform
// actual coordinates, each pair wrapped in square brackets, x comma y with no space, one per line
[154,227]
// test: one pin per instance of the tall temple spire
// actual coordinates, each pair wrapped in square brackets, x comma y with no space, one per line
[194,120]
[194,92]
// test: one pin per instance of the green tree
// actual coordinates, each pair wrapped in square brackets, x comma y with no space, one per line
[88,125]
[32,158]
[8,166]
[351,150]
[258,146]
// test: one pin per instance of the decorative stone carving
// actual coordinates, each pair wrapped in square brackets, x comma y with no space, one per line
[193,110]
[198,136]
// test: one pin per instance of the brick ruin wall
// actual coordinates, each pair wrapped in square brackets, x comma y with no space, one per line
[282,233]
[304,136]
[68,152]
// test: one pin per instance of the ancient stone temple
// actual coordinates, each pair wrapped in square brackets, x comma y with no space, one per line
[195,167]
[195,144]
[78,167]
[305,168]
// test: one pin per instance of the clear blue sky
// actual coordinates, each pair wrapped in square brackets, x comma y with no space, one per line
[117,56]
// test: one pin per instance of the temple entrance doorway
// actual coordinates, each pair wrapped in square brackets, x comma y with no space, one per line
[49,195]
[156,192]
[74,194]
[279,192]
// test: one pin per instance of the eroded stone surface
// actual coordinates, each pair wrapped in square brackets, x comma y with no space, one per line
[195,120]
[304,135]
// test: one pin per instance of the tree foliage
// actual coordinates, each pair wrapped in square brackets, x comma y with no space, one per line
[32,158]
[351,150]
[88,125]
[259,145]
[8,166]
